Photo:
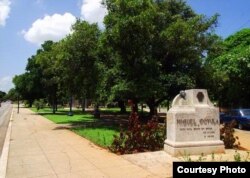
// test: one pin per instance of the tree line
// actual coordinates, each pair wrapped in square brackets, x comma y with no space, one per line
[148,51]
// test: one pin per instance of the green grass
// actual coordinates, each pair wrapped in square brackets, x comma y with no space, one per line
[100,135]
[61,117]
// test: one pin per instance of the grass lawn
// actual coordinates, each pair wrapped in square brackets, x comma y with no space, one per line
[61,117]
[86,124]
[102,136]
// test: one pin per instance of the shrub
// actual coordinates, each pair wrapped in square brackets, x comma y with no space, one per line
[227,135]
[139,137]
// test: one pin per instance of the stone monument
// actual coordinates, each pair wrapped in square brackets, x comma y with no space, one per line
[193,125]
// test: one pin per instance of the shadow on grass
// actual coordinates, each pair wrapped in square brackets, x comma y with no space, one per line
[85,119]
[95,123]
[63,112]
[98,126]
[111,112]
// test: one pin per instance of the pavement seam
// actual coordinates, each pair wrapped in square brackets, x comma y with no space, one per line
[41,117]
[46,157]
[5,151]
[97,167]
[84,155]
[101,169]
[140,166]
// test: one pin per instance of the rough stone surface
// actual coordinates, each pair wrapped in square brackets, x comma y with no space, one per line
[193,125]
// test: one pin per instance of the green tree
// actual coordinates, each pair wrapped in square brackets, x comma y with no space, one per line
[2,95]
[47,59]
[160,46]
[78,60]
[232,70]
[28,85]
[11,95]
[111,86]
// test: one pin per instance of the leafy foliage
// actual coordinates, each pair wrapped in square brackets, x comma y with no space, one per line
[158,47]
[78,60]
[227,135]
[139,137]
[28,86]
[12,95]
[148,52]
[2,95]
[231,69]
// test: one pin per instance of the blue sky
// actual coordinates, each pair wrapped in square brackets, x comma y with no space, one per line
[25,24]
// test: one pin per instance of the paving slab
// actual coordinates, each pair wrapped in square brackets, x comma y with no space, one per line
[39,148]
[244,138]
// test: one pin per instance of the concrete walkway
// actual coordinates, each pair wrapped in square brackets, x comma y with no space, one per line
[244,138]
[39,148]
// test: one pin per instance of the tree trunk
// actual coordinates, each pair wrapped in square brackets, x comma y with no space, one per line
[97,111]
[134,106]
[56,103]
[152,107]
[83,104]
[53,105]
[56,106]
[86,103]
[70,106]
[54,100]
[122,106]
[30,103]
[168,104]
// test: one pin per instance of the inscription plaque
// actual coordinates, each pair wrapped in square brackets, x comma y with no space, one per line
[193,125]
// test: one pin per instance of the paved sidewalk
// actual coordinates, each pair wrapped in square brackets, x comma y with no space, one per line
[244,138]
[39,148]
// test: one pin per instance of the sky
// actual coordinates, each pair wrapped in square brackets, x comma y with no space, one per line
[26,24]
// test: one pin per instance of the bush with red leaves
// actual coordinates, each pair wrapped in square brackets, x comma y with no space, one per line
[227,135]
[139,137]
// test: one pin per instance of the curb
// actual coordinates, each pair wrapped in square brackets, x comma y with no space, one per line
[5,151]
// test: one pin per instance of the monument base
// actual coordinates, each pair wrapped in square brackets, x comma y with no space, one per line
[194,148]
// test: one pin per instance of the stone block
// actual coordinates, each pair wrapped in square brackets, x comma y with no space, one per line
[193,125]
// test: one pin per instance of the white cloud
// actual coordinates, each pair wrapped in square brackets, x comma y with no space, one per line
[93,11]
[6,83]
[4,11]
[53,28]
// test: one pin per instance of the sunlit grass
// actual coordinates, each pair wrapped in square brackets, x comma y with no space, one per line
[100,135]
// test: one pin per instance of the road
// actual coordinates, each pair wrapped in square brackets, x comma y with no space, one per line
[5,112]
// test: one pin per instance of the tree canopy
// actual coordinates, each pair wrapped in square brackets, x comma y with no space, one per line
[2,95]
[232,67]
[159,47]
[148,51]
